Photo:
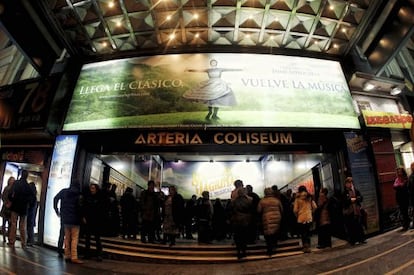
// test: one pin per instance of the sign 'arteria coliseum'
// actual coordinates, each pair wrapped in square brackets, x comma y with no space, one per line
[180,138]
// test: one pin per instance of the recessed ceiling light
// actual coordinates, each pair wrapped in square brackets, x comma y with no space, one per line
[368,86]
[395,91]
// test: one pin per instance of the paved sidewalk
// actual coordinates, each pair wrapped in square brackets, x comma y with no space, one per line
[44,261]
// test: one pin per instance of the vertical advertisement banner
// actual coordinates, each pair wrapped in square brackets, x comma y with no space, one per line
[363,176]
[60,176]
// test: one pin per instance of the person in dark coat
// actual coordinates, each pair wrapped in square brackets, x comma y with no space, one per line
[219,221]
[323,219]
[150,212]
[337,215]
[61,238]
[94,211]
[351,202]
[288,213]
[114,220]
[20,198]
[129,213]
[289,219]
[190,213]
[173,217]
[205,212]
[255,221]
[240,220]
[31,215]
[5,212]
[402,196]
[70,215]
[410,187]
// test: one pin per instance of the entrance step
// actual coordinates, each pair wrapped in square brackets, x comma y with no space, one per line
[187,251]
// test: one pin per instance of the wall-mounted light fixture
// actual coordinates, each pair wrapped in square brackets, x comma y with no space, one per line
[395,90]
[368,86]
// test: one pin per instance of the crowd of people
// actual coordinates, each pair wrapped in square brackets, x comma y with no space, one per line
[155,217]
[19,210]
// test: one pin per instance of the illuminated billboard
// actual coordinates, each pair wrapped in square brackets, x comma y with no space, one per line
[211,90]
[60,176]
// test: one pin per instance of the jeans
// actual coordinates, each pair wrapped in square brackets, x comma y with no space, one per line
[71,241]
[31,223]
[13,228]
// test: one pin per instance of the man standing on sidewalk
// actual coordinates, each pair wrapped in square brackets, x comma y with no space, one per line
[20,198]
[69,212]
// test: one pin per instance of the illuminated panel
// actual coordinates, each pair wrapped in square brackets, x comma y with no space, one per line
[60,176]
[215,177]
[211,90]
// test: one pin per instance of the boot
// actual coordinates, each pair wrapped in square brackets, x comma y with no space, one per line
[215,110]
[306,248]
[210,111]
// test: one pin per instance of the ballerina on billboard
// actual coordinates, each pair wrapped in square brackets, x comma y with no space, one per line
[214,92]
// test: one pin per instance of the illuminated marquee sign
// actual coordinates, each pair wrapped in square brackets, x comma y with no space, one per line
[387,120]
[211,90]
[185,138]
[27,104]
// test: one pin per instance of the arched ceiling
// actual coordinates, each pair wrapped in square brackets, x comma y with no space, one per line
[109,27]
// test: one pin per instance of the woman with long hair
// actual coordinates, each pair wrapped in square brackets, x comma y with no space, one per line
[303,207]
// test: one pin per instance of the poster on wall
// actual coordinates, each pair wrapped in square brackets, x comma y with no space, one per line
[60,176]
[27,104]
[192,178]
[304,180]
[363,177]
[211,90]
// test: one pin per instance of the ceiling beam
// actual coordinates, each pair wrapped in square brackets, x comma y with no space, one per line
[29,34]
